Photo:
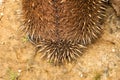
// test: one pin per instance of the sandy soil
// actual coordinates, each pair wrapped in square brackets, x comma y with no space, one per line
[101,61]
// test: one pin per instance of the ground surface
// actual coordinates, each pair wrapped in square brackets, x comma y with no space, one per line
[101,61]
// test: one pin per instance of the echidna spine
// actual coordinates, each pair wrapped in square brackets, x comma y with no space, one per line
[61,29]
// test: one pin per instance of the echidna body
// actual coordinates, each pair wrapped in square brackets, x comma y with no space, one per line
[62,28]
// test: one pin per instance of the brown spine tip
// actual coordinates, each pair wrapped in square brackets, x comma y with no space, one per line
[61,28]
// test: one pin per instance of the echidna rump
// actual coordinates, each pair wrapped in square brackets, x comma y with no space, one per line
[61,29]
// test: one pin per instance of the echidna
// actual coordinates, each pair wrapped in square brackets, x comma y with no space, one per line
[61,29]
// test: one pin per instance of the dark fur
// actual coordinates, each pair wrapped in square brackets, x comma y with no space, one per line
[60,28]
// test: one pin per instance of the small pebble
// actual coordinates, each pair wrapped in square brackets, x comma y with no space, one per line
[113,50]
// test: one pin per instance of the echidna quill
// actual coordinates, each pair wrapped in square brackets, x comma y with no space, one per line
[61,29]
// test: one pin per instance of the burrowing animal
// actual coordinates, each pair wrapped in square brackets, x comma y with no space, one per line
[61,29]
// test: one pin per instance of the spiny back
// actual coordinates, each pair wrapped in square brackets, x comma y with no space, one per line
[61,28]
